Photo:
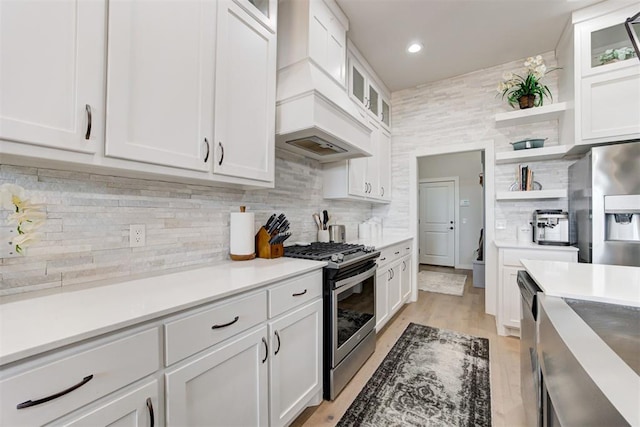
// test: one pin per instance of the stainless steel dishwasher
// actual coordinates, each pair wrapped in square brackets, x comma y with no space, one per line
[529,367]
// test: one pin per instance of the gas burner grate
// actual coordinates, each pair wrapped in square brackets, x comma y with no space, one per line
[321,251]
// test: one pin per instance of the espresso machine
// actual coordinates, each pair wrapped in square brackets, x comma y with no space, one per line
[551,227]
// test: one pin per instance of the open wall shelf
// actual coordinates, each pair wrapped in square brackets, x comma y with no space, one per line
[553,152]
[531,195]
[531,115]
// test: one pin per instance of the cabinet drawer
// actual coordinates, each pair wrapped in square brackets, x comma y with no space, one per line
[390,254]
[186,336]
[406,248]
[513,256]
[294,292]
[103,370]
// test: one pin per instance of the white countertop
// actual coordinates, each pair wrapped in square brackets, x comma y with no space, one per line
[387,239]
[32,325]
[612,284]
[531,245]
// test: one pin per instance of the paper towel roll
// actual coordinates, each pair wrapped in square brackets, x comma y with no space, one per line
[241,236]
[364,230]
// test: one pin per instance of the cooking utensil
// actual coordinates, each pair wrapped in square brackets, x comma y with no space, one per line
[325,219]
[316,218]
[529,143]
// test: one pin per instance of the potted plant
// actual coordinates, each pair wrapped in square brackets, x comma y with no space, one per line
[526,90]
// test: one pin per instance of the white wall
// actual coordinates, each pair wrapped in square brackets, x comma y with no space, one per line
[467,167]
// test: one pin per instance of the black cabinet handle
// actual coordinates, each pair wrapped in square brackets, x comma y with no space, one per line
[87,108]
[226,324]
[404,266]
[266,349]
[277,336]
[221,153]
[152,420]
[450,228]
[300,293]
[383,259]
[382,194]
[30,403]
[396,253]
[206,157]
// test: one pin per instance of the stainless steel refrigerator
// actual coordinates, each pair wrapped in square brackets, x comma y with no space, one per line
[604,205]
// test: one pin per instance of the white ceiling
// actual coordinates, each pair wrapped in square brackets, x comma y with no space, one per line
[459,36]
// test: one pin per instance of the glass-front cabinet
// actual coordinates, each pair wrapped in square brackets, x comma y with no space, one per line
[367,95]
[605,44]
[265,11]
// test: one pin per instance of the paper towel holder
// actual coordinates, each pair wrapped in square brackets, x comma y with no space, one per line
[242,257]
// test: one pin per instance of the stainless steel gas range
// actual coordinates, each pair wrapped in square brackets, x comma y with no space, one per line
[349,308]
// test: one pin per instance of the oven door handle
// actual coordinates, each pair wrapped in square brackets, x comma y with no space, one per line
[356,279]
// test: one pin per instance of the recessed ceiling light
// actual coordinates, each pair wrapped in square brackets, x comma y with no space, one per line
[414,47]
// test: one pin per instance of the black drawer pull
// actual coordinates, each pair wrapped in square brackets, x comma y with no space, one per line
[300,293]
[152,420]
[226,324]
[396,253]
[382,259]
[30,403]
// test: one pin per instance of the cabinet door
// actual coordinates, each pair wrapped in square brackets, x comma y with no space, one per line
[52,68]
[327,41]
[160,82]
[611,106]
[357,83]
[358,184]
[394,290]
[296,361]
[226,386]
[373,172]
[135,408]
[384,166]
[245,95]
[405,278]
[385,114]
[510,309]
[373,101]
[382,306]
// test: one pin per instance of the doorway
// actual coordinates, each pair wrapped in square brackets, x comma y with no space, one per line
[437,219]
[486,148]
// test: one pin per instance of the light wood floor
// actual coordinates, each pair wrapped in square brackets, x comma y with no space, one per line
[462,314]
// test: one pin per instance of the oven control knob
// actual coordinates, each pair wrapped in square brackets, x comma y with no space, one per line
[337,257]
[369,249]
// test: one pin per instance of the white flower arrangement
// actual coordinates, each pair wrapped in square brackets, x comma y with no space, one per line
[26,216]
[515,86]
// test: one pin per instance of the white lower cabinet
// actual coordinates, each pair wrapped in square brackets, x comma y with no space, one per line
[509,263]
[137,407]
[393,281]
[295,363]
[405,277]
[226,386]
[43,390]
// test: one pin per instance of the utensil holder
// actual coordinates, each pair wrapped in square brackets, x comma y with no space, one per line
[264,249]
[323,235]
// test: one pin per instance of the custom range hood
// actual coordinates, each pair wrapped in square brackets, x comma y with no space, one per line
[314,115]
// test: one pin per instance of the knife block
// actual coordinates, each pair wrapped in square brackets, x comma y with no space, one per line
[264,249]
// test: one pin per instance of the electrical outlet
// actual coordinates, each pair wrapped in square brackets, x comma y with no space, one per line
[137,235]
[501,224]
[7,248]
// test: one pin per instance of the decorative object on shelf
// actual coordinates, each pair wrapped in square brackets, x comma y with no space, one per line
[528,91]
[615,55]
[529,143]
[524,180]
[26,216]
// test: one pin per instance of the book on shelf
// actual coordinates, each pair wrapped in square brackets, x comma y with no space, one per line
[524,178]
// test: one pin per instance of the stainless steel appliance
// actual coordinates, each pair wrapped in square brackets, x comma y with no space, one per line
[551,227]
[337,233]
[604,205]
[349,308]
[529,366]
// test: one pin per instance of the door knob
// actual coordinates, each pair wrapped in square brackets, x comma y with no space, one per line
[450,228]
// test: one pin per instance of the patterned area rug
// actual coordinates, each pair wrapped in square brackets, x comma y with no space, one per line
[442,283]
[431,377]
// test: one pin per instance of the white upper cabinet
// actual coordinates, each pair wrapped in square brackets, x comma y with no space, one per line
[52,73]
[245,95]
[327,40]
[601,74]
[365,93]
[384,166]
[161,64]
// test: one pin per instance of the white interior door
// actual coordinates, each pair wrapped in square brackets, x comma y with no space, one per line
[437,212]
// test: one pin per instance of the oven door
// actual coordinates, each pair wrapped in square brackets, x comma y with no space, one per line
[353,304]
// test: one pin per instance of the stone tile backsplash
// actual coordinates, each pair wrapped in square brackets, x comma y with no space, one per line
[86,235]
[462,110]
